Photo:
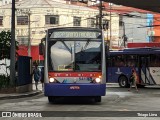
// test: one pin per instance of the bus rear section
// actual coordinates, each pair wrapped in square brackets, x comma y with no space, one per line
[75,66]
[144,61]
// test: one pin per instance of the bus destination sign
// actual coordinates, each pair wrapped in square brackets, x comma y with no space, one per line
[75,34]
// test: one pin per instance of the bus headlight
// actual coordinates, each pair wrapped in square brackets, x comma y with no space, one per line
[51,79]
[98,80]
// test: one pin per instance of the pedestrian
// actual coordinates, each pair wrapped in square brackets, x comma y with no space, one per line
[42,77]
[36,73]
[133,80]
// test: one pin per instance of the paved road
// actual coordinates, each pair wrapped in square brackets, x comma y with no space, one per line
[116,99]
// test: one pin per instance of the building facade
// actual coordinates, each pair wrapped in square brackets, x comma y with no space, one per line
[156,28]
[35,17]
[4,2]
[134,27]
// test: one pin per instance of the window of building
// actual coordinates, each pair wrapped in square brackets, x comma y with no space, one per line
[22,40]
[51,19]
[76,21]
[105,24]
[91,22]
[1,20]
[22,20]
[120,21]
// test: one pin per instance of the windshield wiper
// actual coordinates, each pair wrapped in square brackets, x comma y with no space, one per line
[72,53]
[66,46]
[84,48]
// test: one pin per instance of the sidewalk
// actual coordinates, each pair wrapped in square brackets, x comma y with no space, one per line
[22,95]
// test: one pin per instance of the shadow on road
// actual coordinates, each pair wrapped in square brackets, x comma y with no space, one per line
[75,101]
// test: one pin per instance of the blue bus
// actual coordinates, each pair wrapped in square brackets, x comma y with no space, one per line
[74,63]
[145,61]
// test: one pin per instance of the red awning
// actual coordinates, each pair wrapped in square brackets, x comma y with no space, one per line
[138,45]
[35,53]
[23,51]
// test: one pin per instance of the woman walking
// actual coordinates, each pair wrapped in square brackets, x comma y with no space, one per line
[37,75]
[133,80]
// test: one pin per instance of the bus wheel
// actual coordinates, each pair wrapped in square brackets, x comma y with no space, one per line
[51,99]
[97,99]
[123,82]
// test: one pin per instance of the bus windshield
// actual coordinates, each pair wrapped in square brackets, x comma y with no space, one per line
[74,55]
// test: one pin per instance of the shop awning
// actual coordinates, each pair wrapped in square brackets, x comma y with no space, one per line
[23,51]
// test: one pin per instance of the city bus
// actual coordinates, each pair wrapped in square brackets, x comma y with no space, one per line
[74,63]
[145,61]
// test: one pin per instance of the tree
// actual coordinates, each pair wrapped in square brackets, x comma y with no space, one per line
[5,45]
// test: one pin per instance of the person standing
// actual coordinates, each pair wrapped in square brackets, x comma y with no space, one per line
[37,75]
[133,80]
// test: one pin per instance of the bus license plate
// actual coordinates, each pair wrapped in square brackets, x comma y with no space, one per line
[74,87]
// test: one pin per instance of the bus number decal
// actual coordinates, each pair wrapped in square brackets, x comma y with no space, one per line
[74,87]
[85,78]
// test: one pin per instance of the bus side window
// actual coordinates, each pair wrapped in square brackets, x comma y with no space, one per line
[157,61]
[152,61]
[120,61]
[132,60]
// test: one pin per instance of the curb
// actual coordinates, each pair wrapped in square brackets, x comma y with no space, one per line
[34,93]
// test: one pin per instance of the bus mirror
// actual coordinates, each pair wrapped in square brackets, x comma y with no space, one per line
[41,49]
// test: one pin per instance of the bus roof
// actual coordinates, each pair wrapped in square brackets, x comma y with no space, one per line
[73,28]
[136,51]
[74,32]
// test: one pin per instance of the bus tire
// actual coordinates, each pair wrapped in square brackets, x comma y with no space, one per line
[98,99]
[51,99]
[123,82]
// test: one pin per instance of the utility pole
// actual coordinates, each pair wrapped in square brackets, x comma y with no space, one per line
[124,35]
[100,14]
[110,4]
[29,34]
[12,51]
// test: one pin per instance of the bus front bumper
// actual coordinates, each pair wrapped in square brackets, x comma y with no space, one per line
[51,89]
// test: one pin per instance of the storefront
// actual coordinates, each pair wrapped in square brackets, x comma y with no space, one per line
[23,51]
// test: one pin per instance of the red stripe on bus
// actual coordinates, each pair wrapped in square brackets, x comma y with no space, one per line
[75,74]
